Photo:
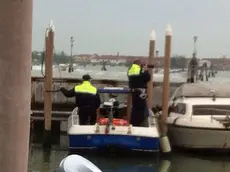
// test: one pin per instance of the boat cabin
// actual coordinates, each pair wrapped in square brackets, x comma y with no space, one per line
[200,99]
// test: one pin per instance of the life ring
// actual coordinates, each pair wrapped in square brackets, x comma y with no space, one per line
[116,121]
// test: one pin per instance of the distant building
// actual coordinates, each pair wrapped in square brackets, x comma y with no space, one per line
[82,58]
[111,59]
[158,61]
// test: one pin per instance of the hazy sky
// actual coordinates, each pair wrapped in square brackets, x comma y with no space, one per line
[111,26]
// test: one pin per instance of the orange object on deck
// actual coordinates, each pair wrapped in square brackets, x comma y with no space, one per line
[116,121]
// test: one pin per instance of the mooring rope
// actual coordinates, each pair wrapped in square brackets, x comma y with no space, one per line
[42,72]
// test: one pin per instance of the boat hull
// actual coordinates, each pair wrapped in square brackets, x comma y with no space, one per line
[199,138]
[101,141]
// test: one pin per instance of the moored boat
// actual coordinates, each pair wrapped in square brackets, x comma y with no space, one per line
[199,116]
[113,131]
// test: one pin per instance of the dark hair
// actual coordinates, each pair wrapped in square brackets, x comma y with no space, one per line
[86,77]
[137,62]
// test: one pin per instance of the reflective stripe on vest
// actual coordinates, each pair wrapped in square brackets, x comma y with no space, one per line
[134,70]
[85,87]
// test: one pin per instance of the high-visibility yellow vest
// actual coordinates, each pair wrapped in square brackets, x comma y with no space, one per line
[134,70]
[85,87]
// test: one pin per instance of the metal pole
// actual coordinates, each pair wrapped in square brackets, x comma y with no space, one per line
[48,85]
[71,49]
[15,83]
[157,61]
[129,104]
[150,62]
[194,45]
[195,56]
[71,55]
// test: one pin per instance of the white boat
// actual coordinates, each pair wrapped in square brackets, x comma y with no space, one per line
[63,67]
[108,134]
[199,116]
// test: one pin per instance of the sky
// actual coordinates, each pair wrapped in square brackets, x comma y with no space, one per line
[124,26]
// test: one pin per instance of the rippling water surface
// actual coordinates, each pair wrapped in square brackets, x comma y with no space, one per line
[41,161]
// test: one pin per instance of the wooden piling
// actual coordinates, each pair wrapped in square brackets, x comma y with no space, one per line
[15,84]
[49,45]
[166,83]
[150,69]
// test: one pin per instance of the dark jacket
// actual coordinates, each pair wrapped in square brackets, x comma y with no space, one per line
[140,80]
[83,100]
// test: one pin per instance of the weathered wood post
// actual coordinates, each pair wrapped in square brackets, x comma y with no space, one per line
[49,45]
[15,83]
[166,87]
[46,161]
[150,68]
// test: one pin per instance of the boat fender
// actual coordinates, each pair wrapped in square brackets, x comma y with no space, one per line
[77,163]
[165,145]
[164,166]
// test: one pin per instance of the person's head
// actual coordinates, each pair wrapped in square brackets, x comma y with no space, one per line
[138,62]
[86,77]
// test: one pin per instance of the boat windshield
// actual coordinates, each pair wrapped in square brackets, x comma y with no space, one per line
[211,109]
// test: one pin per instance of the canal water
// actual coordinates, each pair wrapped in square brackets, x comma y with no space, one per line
[43,161]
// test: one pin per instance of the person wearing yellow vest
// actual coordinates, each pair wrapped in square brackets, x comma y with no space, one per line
[87,100]
[138,78]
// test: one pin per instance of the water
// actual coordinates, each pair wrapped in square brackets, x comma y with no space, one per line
[178,162]
[120,73]
[117,73]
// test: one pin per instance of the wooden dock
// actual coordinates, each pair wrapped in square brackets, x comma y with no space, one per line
[56,115]
[37,90]
[62,106]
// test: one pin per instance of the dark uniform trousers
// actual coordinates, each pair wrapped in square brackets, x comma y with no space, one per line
[139,106]
[87,115]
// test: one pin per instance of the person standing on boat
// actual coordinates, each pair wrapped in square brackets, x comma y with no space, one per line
[87,100]
[138,79]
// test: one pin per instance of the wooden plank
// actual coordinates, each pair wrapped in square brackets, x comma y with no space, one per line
[39,118]
[54,113]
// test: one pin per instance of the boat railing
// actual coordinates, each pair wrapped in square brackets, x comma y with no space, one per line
[152,118]
[73,118]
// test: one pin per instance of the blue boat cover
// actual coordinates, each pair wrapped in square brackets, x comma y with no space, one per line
[120,90]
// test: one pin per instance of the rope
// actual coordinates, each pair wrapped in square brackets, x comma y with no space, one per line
[42,64]
[42,72]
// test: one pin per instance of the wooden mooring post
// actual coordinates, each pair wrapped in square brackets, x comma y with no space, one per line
[15,83]
[150,68]
[165,145]
[49,46]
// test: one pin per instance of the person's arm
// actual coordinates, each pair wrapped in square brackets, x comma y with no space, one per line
[145,76]
[68,93]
